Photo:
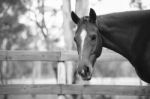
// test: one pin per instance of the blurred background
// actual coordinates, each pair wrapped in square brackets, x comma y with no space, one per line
[45,25]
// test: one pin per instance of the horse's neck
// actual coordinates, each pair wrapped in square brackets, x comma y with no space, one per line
[118,32]
[108,43]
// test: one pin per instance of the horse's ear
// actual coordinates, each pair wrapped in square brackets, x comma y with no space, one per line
[92,15]
[75,18]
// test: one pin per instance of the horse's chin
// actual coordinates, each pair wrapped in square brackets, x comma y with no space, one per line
[85,70]
[86,78]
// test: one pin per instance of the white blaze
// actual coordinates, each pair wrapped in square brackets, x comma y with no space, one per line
[82,36]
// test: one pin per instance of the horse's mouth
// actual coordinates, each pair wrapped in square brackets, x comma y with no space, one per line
[86,78]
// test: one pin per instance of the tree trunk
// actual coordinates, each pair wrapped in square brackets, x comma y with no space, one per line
[67,30]
[82,7]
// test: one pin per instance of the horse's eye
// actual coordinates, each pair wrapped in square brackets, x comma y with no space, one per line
[93,37]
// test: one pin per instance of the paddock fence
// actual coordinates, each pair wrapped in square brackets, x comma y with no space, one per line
[61,88]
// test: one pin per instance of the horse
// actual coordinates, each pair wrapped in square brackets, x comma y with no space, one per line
[127,33]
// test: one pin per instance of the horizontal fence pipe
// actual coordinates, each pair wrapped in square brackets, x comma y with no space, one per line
[59,56]
[76,89]
[29,56]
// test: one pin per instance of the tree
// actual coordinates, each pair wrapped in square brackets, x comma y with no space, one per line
[10,28]
[137,4]
[82,7]
[39,12]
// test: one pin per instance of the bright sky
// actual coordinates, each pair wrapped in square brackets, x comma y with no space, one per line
[110,6]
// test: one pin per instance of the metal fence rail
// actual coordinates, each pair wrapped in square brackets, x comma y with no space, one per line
[51,56]
[62,87]
[75,89]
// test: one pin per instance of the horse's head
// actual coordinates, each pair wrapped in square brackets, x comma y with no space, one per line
[89,43]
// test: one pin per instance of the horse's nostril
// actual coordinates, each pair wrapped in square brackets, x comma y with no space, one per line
[86,69]
[82,73]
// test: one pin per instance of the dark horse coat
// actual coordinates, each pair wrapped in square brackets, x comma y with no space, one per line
[127,33]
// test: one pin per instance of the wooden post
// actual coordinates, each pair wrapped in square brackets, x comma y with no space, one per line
[82,7]
[61,79]
[68,36]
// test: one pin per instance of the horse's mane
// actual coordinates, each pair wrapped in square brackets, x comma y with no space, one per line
[128,17]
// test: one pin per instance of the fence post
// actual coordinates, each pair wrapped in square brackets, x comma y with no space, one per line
[61,79]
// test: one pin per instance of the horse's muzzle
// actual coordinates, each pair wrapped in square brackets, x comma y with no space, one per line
[85,73]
